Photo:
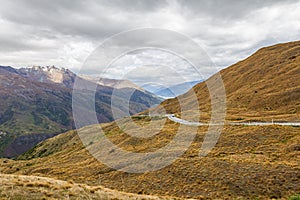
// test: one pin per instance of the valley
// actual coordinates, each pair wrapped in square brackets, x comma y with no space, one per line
[248,162]
[260,161]
[36,104]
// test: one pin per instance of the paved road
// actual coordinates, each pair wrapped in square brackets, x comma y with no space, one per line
[182,121]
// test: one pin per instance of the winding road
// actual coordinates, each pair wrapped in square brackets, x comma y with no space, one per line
[182,121]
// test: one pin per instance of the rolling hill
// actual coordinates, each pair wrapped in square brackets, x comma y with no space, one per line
[36,103]
[248,162]
[34,187]
[260,162]
[264,86]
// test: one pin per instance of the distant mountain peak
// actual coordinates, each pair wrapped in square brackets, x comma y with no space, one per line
[48,74]
[171,91]
[36,103]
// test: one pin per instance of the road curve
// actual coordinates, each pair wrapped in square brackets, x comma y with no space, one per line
[182,121]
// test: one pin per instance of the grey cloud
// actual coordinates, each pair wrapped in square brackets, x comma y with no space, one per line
[226,9]
[96,19]
[65,32]
[140,6]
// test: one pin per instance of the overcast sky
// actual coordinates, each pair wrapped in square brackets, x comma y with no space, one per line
[64,33]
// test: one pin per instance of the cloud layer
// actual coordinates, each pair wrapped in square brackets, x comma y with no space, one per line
[64,33]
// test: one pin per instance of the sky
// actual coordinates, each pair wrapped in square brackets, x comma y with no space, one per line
[67,33]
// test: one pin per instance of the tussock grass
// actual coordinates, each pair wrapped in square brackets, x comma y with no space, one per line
[246,163]
[34,187]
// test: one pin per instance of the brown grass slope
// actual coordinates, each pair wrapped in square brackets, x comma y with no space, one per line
[263,86]
[247,162]
[34,187]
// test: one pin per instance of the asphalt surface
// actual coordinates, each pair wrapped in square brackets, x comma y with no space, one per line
[182,121]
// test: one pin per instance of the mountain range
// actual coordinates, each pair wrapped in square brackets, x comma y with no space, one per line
[170,91]
[248,162]
[114,83]
[36,103]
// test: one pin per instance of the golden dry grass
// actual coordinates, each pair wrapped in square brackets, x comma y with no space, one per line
[264,86]
[34,187]
[248,162]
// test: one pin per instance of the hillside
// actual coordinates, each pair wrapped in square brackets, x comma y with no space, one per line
[36,103]
[34,187]
[264,86]
[260,162]
[248,162]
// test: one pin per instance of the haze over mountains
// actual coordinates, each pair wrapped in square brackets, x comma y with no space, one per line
[142,100]
[261,162]
[36,103]
[170,91]
[114,83]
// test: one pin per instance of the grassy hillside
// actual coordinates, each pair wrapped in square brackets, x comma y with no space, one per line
[34,187]
[247,162]
[265,85]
